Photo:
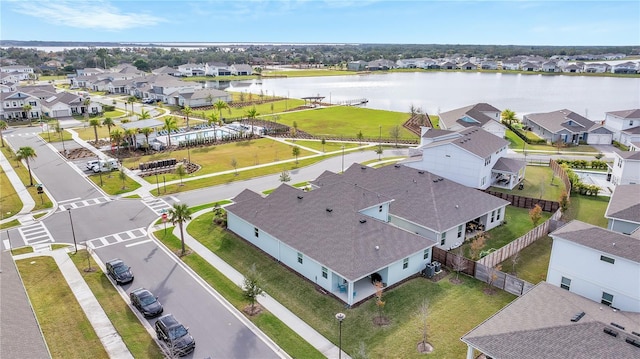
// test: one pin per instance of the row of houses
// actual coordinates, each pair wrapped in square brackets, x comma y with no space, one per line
[20,103]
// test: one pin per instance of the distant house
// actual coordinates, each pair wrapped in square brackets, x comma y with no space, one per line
[241,70]
[20,72]
[190,69]
[566,126]
[66,104]
[357,65]
[626,167]
[530,66]
[13,106]
[594,67]
[218,69]
[511,65]
[628,67]
[624,124]
[596,263]
[550,66]
[472,157]
[553,323]
[489,65]
[201,97]
[572,68]
[166,70]
[479,115]
[623,211]
[380,65]
[468,66]
[448,65]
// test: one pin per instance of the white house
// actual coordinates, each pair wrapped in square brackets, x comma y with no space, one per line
[551,323]
[623,211]
[510,65]
[566,126]
[13,106]
[599,68]
[362,225]
[217,69]
[188,70]
[479,115]
[201,97]
[472,157]
[628,67]
[626,167]
[596,263]
[66,104]
[19,72]
[624,124]
[241,70]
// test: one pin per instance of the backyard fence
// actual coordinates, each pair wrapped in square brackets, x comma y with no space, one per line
[560,172]
[526,202]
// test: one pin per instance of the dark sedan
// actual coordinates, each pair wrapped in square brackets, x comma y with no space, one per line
[146,302]
[175,336]
[119,271]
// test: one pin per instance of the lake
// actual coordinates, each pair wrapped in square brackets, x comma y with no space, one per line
[441,91]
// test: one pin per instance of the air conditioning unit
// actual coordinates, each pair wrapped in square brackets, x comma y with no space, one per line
[429,270]
[437,266]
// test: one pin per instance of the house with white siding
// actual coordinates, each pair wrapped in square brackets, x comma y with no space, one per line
[201,97]
[241,70]
[362,226]
[598,68]
[624,124]
[568,127]
[623,211]
[472,157]
[596,263]
[188,70]
[626,167]
[13,106]
[479,115]
[18,72]
[217,69]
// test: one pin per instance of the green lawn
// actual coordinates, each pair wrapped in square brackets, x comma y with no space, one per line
[41,201]
[264,110]
[533,261]
[588,209]
[327,147]
[9,200]
[348,121]
[539,182]
[111,183]
[453,309]
[517,143]
[62,321]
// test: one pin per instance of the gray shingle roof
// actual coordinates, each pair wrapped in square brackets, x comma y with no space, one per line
[538,325]
[338,239]
[625,203]
[474,140]
[509,165]
[559,120]
[600,239]
[476,112]
[633,113]
[420,196]
[628,155]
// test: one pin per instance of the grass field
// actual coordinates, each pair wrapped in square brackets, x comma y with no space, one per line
[61,319]
[9,200]
[517,143]
[112,184]
[454,309]
[327,147]
[539,182]
[308,73]
[266,111]
[588,209]
[41,201]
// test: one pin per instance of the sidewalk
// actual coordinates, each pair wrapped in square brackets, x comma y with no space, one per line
[27,201]
[296,324]
[108,335]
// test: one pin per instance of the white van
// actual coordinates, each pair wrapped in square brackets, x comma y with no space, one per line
[92,163]
[106,166]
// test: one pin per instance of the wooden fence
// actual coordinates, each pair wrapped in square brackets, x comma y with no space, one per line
[526,202]
[560,172]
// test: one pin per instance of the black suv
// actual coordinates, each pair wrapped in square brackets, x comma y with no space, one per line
[119,271]
[146,302]
[174,335]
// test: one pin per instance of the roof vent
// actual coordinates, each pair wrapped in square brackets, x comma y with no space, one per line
[613,333]
[635,333]
[363,167]
[634,342]
[300,196]
[329,209]
[577,317]
[435,180]
[363,221]
[421,172]
[377,248]
[617,325]
[396,166]
[457,206]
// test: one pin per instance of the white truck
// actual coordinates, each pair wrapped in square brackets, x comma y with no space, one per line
[106,165]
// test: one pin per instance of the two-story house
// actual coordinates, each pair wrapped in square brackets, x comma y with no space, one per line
[624,124]
[19,106]
[479,115]
[566,126]
[623,211]
[626,167]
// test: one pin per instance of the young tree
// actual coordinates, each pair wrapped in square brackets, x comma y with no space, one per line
[187,112]
[360,136]
[179,214]
[295,151]
[251,287]
[86,103]
[394,132]
[130,100]
[212,119]
[294,129]
[284,176]
[221,105]
[147,131]
[535,214]
[251,114]
[130,135]
[423,314]
[123,177]
[169,125]
[27,153]
[181,171]
[458,264]
[116,136]
[379,302]
[476,246]
[508,116]
[379,151]
[564,201]
[492,276]
[144,115]
[514,261]
[234,164]
[323,142]
[95,123]
[3,126]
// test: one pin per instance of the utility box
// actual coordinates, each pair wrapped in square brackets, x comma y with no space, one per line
[429,270]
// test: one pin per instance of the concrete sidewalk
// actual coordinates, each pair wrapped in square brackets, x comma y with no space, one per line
[27,201]
[322,344]
[108,335]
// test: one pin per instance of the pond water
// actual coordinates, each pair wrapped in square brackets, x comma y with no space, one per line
[442,91]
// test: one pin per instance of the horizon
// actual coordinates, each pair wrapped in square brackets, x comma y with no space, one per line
[315,22]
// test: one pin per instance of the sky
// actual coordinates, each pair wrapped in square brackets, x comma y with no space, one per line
[514,22]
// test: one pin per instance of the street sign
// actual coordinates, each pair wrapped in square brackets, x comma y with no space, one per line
[164,217]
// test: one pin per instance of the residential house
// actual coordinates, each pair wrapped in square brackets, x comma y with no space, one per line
[512,65]
[89,71]
[19,72]
[530,66]
[420,62]
[167,88]
[472,157]
[241,70]
[489,65]
[598,68]
[67,104]
[550,66]
[552,323]
[572,68]
[188,70]
[626,167]
[217,69]
[448,65]
[624,124]
[357,65]
[201,97]
[13,106]
[479,115]
[468,66]
[381,65]
[628,67]
[166,70]
[566,126]
[596,263]
[623,211]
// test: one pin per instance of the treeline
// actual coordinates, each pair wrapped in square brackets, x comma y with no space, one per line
[150,57]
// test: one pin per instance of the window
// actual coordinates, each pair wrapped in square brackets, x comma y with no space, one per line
[325,272]
[499,210]
[425,254]
[32,103]
[484,179]
[300,258]
[487,161]
[565,283]
[443,239]
[256,232]
[460,231]
[405,263]
[607,299]
[380,209]
[493,216]
[607,259]
[630,123]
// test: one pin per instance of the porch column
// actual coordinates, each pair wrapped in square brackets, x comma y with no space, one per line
[469,352]
[350,293]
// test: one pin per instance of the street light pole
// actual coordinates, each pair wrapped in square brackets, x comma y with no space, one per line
[340,317]
[73,233]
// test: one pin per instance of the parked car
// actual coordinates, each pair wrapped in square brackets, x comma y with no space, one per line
[106,166]
[147,303]
[119,271]
[175,335]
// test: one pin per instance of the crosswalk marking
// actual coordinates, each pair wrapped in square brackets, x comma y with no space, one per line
[35,234]
[83,203]
[157,205]
[117,238]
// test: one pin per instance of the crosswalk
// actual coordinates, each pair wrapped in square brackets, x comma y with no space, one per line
[157,205]
[83,203]
[117,238]
[36,235]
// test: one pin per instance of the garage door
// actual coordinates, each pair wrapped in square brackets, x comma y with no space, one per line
[61,113]
[595,139]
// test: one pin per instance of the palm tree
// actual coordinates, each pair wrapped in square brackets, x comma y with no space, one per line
[3,126]
[130,135]
[252,113]
[116,136]
[130,100]
[179,214]
[146,132]
[170,125]
[109,123]
[220,105]
[86,103]
[26,108]
[509,116]
[187,111]
[144,115]
[211,120]
[95,123]
[27,153]
[181,172]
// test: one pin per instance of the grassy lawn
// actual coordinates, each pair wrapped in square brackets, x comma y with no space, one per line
[22,250]
[133,333]
[112,184]
[9,199]
[53,136]
[40,202]
[587,209]
[348,121]
[533,261]
[453,309]
[539,182]
[219,158]
[308,73]
[327,147]
[287,339]
[517,143]
[264,110]
[61,319]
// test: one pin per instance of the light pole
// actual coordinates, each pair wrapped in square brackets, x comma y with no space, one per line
[340,317]
[73,233]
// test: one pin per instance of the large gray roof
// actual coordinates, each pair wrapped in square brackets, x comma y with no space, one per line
[538,325]
[633,113]
[420,196]
[600,239]
[625,203]
[561,120]
[325,224]
[474,140]
[476,112]
[509,165]
[628,155]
